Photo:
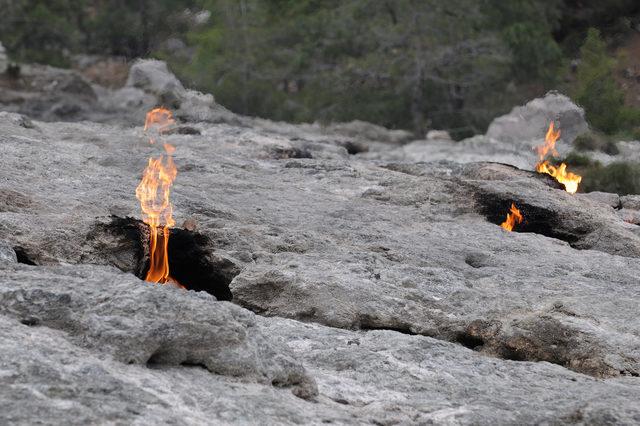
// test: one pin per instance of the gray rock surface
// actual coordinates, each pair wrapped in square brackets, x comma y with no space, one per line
[114,314]
[7,254]
[510,139]
[529,121]
[384,280]
[48,93]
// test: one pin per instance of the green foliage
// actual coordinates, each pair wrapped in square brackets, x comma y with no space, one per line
[38,30]
[526,28]
[596,90]
[576,159]
[409,64]
[47,31]
[535,52]
[400,64]
[594,141]
[622,178]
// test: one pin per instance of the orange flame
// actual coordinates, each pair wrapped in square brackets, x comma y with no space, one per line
[159,119]
[560,173]
[513,217]
[153,192]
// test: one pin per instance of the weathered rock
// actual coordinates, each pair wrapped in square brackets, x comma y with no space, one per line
[368,131]
[395,247]
[283,221]
[630,202]
[475,149]
[386,377]
[7,254]
[140,323]
[47,379]
[530,121]
[438,135]
[606,198]
[510,139]
[153,76]
[49,93]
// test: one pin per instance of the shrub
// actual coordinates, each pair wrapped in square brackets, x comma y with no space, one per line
[578,160]
[622,178]
[595,142]
[596,89]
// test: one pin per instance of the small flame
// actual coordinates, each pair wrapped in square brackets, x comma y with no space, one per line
[513,217]
[560,173]
[160,118]
[153,192]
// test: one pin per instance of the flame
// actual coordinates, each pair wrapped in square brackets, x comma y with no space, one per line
[159,119]
[560,173]
[513,217]
[153,193]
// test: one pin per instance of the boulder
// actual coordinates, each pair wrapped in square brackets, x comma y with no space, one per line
[153,76]
[530,122]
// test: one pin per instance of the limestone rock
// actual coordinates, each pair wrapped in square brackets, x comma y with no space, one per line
[153,76]
[7,254]
[530,121]
[379,273]
[140,323]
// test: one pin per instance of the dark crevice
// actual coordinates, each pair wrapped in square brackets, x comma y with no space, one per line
[30,321]
[193,267]
[282,153]
[370,324]
[23,256]
[123,243]
[354,147]
[469,341]
[193,365]
[536,219]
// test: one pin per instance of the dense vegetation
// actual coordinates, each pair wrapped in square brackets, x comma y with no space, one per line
[414,64]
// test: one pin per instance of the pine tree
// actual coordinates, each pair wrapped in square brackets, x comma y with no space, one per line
[596,89]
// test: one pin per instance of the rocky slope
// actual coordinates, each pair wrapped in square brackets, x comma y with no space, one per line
[384,289]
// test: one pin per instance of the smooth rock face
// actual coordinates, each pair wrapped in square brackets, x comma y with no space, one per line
[154,77]
[529,121]
[381,278]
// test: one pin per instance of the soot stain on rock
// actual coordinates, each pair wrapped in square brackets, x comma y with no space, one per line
[192,264]
[123,243]
[537,339]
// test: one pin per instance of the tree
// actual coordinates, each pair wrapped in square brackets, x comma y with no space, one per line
[401,63]
[596,89]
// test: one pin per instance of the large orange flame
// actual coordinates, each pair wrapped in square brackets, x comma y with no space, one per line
[153,192]
[560,173]
[513,217]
